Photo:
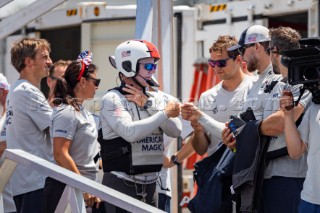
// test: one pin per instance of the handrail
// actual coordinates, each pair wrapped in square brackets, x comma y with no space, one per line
[76,183]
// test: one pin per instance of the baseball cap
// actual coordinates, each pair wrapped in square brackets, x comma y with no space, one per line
[253,34]
[4,83]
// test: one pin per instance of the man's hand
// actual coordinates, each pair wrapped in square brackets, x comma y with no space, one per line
[190,112]
[172,109]
[286,101]
[228,138]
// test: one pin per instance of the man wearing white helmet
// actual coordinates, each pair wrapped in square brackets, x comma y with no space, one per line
[133,121]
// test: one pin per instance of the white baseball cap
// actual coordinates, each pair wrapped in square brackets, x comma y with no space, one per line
[253,34]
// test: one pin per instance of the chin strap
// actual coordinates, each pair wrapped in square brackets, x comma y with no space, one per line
[138,83]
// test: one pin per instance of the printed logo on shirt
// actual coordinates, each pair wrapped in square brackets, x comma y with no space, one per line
[61,130]
[150,143]
[9,114]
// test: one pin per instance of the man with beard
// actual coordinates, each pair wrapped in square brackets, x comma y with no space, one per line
[253,45]
[283,176]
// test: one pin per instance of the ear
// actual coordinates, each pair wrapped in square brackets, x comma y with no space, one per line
[238,58]
[82,82]
[27,61]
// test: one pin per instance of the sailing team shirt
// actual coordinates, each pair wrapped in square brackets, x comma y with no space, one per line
[219,104]
[80,128]
[142,128]
[27,121]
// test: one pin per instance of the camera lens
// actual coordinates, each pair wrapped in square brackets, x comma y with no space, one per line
[310,73]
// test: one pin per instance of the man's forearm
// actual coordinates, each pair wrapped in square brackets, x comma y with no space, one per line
[200,142]
[274,124]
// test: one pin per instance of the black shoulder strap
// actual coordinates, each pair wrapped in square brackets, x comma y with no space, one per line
[277,153]
[270,87]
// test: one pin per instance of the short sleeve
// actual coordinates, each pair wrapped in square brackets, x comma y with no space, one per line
[64,123]
[37,108]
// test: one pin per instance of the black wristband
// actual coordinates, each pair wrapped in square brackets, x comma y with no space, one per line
[174,159]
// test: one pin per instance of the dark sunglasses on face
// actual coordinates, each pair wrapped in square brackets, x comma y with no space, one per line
[95,81]
[242,50]
[149,66]
[220,63]
[271,50]
[52,77]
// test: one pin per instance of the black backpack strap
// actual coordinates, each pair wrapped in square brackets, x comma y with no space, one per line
[277,153]
[282,151]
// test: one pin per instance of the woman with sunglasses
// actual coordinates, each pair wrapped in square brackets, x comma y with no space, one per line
[133,122]
[73,129]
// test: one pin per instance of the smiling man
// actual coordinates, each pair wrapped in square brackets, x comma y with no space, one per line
[222,100]
[28,118]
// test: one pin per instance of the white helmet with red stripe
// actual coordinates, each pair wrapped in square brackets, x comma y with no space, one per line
[128,53]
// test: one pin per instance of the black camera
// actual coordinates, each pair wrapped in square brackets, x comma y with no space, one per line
[304,66]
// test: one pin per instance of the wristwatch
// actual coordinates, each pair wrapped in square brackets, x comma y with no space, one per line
[174,159]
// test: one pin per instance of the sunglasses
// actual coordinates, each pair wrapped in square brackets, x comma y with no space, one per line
[220,63]
[270,50]
[52,77]
[149,66]
[246,46]
[95,81]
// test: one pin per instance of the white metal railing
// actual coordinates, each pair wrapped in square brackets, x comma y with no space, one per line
[71,200]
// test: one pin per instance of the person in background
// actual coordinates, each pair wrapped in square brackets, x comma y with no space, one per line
[28,120]
[73,129]
[133,122]
[56,71]
[302,141]
[282,175]
[8,203]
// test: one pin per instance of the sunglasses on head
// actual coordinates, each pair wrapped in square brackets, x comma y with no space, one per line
[220,63]
[149,66]
[95,81]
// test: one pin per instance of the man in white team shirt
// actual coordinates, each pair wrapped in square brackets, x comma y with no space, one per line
[221,101]
[28,119]
[282,175]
